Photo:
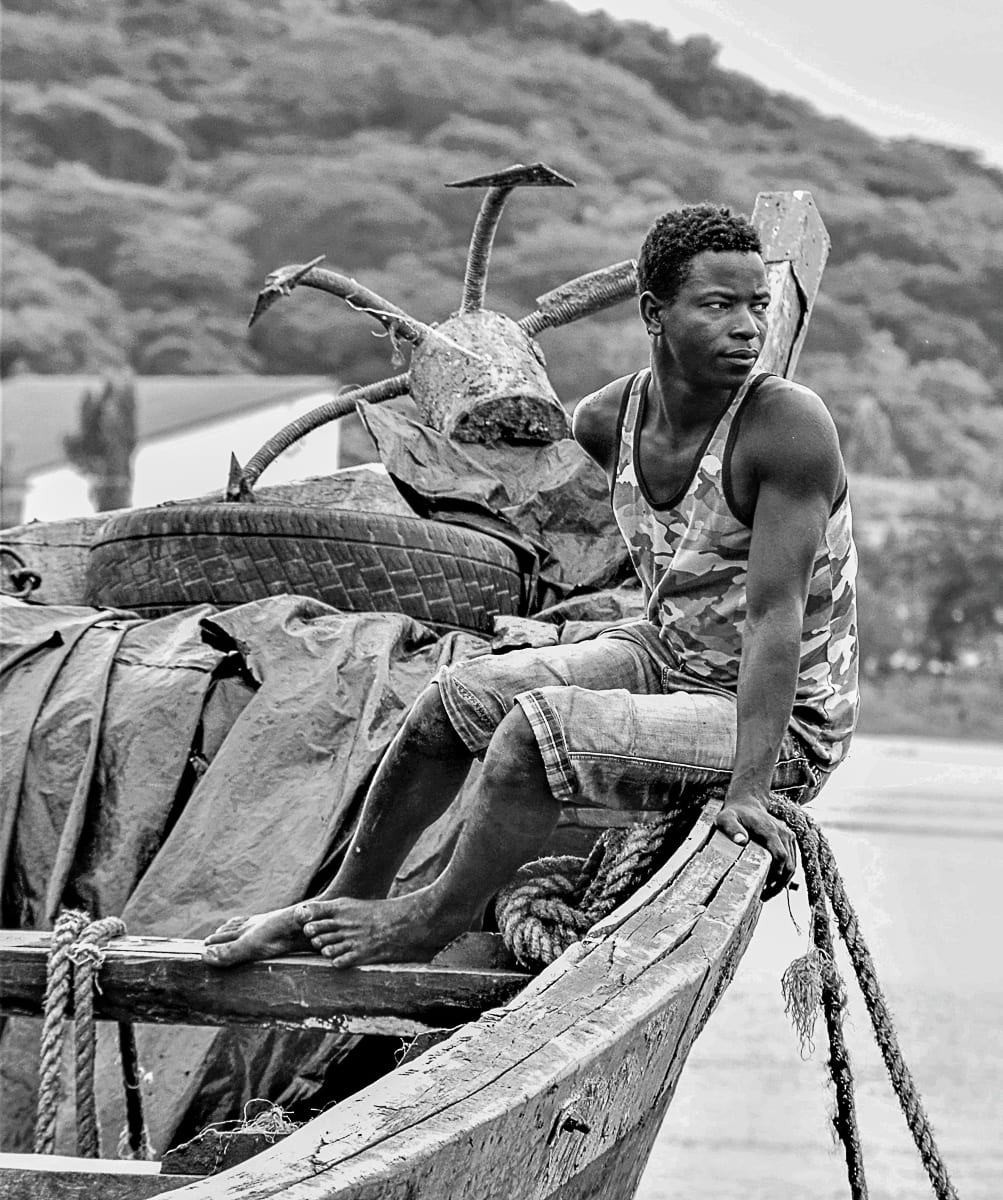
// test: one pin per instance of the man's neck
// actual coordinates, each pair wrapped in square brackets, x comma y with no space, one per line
[687,403]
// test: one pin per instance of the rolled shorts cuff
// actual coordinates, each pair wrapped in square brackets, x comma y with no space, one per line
[468,716]
[549,733]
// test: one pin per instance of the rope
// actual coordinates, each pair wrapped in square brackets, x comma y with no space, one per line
[75,957]
[829,993]
[87,953]
[134,1141]
[537,912]
[551,903]
[24,580]
[884,1030]
[58,981]
[815,847]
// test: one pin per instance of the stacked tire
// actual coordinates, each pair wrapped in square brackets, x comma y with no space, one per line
[156,561]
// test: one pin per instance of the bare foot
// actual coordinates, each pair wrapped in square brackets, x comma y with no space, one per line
[351,932]
[245,939]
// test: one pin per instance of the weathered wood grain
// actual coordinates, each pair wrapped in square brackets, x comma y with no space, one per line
[523,1102]
[483,380]
[59,1177]
[57,551]
[795,249]
[558,1094]
[164,980]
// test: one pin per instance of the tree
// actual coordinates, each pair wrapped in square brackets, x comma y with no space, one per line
[103,447]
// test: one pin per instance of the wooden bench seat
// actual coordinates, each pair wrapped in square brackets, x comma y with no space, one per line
[165,981]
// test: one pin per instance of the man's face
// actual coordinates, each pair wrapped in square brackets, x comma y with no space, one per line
[713,331]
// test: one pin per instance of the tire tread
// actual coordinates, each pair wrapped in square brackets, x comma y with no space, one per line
[158,560]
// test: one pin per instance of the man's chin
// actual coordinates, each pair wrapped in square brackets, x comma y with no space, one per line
[734,370]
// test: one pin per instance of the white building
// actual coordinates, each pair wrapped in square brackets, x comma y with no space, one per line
[187,427]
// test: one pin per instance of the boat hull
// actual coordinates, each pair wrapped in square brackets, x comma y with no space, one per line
[557,1094]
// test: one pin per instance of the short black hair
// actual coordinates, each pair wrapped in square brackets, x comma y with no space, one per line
[670,245]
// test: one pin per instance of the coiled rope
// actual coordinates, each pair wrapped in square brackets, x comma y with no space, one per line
[75,957]
[551,904]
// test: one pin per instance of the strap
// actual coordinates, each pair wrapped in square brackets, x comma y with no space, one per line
[621,412]
[754,385]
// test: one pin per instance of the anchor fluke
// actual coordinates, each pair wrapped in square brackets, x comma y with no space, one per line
[519,175]
[238,490]
[499,184]
[280,283]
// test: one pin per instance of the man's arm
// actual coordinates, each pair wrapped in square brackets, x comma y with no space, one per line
[793,455]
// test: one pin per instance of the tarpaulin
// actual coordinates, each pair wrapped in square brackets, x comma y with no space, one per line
[82,684]
[209,792]
[156,696]
[285,781]
[554,496]
[232,752]
[36,643]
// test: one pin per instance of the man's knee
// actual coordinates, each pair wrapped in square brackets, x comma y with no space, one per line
[513,752]
[429,729]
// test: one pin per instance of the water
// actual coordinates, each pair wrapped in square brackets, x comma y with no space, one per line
[917,829]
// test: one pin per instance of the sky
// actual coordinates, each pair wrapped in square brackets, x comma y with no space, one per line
[932,71]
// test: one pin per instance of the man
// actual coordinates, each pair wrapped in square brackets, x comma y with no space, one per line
[730,492]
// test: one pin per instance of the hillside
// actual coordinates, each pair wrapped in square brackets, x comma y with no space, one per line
[161,158]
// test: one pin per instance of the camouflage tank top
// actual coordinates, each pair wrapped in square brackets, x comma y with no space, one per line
[692,556]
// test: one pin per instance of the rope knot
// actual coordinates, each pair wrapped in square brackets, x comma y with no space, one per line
[88,954]
[76,954]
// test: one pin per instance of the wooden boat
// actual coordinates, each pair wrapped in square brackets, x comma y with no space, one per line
[558,1091]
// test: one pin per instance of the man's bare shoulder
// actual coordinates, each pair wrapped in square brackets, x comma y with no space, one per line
[790,410]
[595,420]
[778,399]
[788,431]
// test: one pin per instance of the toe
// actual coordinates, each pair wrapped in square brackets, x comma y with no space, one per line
[227,931]
[309,910]
[217,956]
[330,937]
[314,929]
[344,958]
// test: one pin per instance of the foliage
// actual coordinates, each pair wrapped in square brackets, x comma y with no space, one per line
[161,158]
[931,590]
[57,319]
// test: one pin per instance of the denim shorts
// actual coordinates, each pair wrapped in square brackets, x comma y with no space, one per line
[613,727]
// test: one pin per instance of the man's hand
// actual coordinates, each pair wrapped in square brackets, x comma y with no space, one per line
[747,818]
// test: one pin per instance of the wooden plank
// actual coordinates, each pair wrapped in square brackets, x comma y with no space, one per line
[795,249]
[61,1177]
[164,980]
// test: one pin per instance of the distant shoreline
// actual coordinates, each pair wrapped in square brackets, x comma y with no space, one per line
[964,707]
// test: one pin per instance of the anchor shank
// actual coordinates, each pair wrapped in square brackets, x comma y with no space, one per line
[479,254]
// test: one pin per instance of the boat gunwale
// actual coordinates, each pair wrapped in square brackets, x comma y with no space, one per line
[658,962]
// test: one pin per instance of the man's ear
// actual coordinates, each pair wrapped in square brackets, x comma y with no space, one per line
[651,312]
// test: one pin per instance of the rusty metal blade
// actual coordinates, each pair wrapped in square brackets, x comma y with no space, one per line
[519,175]
[280,283]
[237,487]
